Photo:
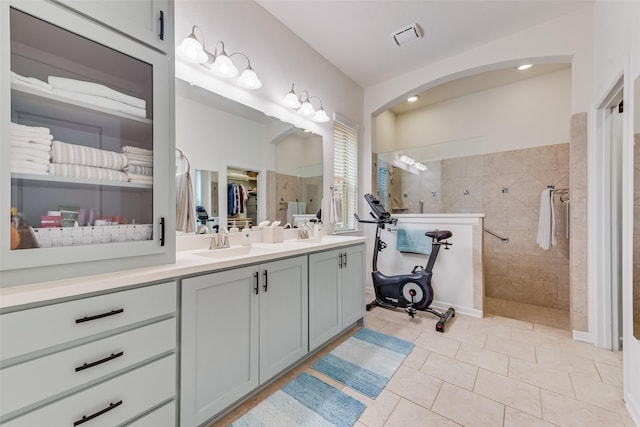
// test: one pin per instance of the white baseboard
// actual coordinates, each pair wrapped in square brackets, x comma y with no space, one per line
[583,336]
[634,410]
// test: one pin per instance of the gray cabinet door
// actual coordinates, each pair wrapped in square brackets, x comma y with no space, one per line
[324,297]
[219,342]
[284,334]
[352,285]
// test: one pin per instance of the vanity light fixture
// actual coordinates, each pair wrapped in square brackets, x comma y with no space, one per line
[219,63]
[524,67]
[304,106]
[420,166]
[413,98]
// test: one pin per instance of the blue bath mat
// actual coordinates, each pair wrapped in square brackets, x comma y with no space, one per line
[366,361]
[304,401]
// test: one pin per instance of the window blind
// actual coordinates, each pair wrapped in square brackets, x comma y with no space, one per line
[345,172]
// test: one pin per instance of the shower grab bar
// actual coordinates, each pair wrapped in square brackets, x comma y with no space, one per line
[494,234]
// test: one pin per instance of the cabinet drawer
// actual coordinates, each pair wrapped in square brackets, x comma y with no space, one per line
[38,379]
[165,416]
[110,403]
[35,329]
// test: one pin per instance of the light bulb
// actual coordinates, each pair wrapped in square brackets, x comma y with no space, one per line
[306,109]
[291,100]
[249,79]
[191,50]
[223,66]
[320,116]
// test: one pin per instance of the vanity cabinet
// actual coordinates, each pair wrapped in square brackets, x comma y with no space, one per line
[94,190]
[107,358]
[149,21]
[336,292]
[239,329]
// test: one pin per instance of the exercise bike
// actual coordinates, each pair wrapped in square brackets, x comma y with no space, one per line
[409,291]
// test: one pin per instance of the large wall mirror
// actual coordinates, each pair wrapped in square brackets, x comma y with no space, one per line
[232,147]
[636,210]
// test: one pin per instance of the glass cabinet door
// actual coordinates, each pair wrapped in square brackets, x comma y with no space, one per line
[83,140]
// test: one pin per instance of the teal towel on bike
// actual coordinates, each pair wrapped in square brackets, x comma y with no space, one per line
[413,241]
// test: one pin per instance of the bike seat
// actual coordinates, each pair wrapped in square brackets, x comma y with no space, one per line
[439,234]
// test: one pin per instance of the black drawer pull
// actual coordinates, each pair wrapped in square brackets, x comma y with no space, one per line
[86,418]
[99,316]
[98,362]
[161,25]
[344,259]
[266,281]
[257,288]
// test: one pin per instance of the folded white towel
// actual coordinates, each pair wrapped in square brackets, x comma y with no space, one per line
[546,237]
[27,164]
[30,158]
[101,101]
[16,169]
[145,163]
[87,172]
[31,130]
[145,179]
[90,88]
[30,82]
[39,154]
[129,149]
[62,152]
[139,170]
[140,157]
[30,145]
[31,139]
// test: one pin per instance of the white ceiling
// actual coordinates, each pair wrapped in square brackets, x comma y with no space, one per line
[356,36]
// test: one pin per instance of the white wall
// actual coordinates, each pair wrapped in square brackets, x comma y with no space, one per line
[505,118]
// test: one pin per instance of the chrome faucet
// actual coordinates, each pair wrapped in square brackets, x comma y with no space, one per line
[220,240]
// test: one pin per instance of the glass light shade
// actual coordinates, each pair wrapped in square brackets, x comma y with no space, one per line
[249,79]
[191,50]
[306,109]
[320,116]
[223,66]
[291,100]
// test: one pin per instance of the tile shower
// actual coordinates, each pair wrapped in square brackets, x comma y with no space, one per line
[506,187]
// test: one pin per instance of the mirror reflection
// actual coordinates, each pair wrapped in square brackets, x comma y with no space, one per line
[636,210]
[249,167]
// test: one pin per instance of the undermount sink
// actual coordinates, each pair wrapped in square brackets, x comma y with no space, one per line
[234,251]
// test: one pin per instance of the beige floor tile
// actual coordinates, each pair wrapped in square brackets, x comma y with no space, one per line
[568,412]
[467,408]
[551,331]
[401,330]
[378,409]
[375,323]
[541,376]
[513,393]
[589,351]
[450,370]
[597,393]
[512,348]
[415,386]
[409,414]
[609,374]
[489,327]
[423,322]
[566,363]
[515,418]
[482,358]
[537,338]
[514,323]
[460,321]
[470,337]
[416,358]
[438,343]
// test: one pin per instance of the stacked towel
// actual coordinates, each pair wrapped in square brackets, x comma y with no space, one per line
[87,172]
[62,152]
[30,149]
[30,82]
[139,165]
[97,94]
[546,221]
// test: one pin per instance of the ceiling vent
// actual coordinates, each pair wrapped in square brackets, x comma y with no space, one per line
[407,35]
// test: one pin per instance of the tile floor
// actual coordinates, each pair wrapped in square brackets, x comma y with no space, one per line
[494,371]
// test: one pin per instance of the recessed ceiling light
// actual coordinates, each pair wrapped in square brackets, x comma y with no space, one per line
[524,67]
[413,98]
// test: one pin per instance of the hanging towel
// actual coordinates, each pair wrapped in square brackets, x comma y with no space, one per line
[413,241]
[546,221]
[335,214]
[566,205]
[185,203]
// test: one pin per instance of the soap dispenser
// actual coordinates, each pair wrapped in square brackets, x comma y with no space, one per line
[246,237]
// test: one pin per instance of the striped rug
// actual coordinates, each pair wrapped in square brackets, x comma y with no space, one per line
[304,401]
[366,361]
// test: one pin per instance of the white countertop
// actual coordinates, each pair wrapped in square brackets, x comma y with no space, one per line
[188,262]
